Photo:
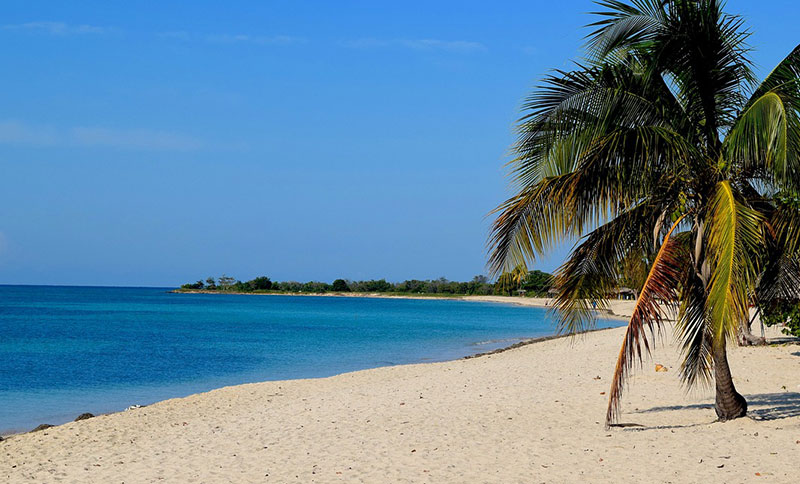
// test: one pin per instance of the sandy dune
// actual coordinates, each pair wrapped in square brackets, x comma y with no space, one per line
[533,414]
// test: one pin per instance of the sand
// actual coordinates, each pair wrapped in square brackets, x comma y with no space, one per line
[531,414]
[617,309]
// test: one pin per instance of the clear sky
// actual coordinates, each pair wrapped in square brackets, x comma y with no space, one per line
[153,143]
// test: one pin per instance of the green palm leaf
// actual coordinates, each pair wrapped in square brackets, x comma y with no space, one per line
[735,234]
[783,82]
[758,140]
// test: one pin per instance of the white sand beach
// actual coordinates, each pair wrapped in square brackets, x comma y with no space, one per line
[618,308]
[531,414]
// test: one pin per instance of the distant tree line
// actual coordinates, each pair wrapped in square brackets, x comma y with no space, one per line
[533,283]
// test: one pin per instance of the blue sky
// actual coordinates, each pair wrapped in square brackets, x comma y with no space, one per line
[152,143]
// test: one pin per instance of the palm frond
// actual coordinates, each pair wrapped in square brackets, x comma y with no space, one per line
[735,235]
[703,50]
[780,280]
[661,284]
[624,27]
[614,172]
[593,268]
[572,109]
[694,330]
[532,222]
[759,138]
[785,223]
[784,82]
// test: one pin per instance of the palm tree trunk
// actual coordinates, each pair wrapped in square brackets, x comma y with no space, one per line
[729,404]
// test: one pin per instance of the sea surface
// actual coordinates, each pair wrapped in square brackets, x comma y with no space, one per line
[69,350]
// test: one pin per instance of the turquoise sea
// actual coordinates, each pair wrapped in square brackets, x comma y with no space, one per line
[69,350]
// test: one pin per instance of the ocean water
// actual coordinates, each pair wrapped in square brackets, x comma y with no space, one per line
[69,350]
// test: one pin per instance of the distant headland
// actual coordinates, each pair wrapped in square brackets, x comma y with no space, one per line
[528,283]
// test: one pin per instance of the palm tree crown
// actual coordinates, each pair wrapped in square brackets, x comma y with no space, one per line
[663,147]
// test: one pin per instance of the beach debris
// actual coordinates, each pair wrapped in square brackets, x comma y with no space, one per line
[661,368]
[83,416]
[134,407]
[41,427]
[597,378]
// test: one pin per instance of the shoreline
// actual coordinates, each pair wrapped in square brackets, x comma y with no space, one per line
[617,308]
[523,342]
[528,414]
[544,303]
[512,346]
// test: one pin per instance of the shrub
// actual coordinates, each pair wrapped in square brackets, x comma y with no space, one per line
[783,312]
[340,285]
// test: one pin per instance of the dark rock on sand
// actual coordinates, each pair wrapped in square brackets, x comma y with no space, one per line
[41,427]
[84,416]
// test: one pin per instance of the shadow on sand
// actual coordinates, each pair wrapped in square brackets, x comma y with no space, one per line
[761,407]
[774,406]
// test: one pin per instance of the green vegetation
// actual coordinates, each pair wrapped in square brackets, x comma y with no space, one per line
[534,283]
[340,285]
[524,282]
[225,283]
[675,170]
[782,312]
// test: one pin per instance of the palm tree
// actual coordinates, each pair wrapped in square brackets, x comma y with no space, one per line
[663,147]
[509,281]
